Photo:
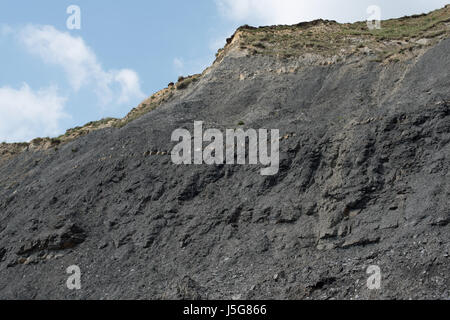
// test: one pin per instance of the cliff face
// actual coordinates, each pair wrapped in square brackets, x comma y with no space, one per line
[363,180]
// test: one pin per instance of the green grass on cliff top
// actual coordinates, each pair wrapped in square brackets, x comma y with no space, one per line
[329,37]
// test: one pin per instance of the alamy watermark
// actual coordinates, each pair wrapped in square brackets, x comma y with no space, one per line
[374,19]
[374,281]
[74,20]
[74,281]
[235,147]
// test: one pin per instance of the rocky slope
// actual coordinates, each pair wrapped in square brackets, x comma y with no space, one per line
[363,178]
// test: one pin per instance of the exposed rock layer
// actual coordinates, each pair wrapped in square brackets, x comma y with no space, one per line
[364,180]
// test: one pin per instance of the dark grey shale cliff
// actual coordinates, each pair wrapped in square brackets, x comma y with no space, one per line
[364,180]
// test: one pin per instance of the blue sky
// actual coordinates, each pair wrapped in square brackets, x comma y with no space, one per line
[53,78]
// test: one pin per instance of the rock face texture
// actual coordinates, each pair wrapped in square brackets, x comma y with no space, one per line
[364,180]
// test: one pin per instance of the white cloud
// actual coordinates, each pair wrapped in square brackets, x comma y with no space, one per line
[80,64]
[178,63]
[26,114]
[129,84]
[191,66]
[5,30]
[268,12]
[217,43]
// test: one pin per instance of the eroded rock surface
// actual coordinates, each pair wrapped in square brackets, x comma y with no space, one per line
[364,180]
